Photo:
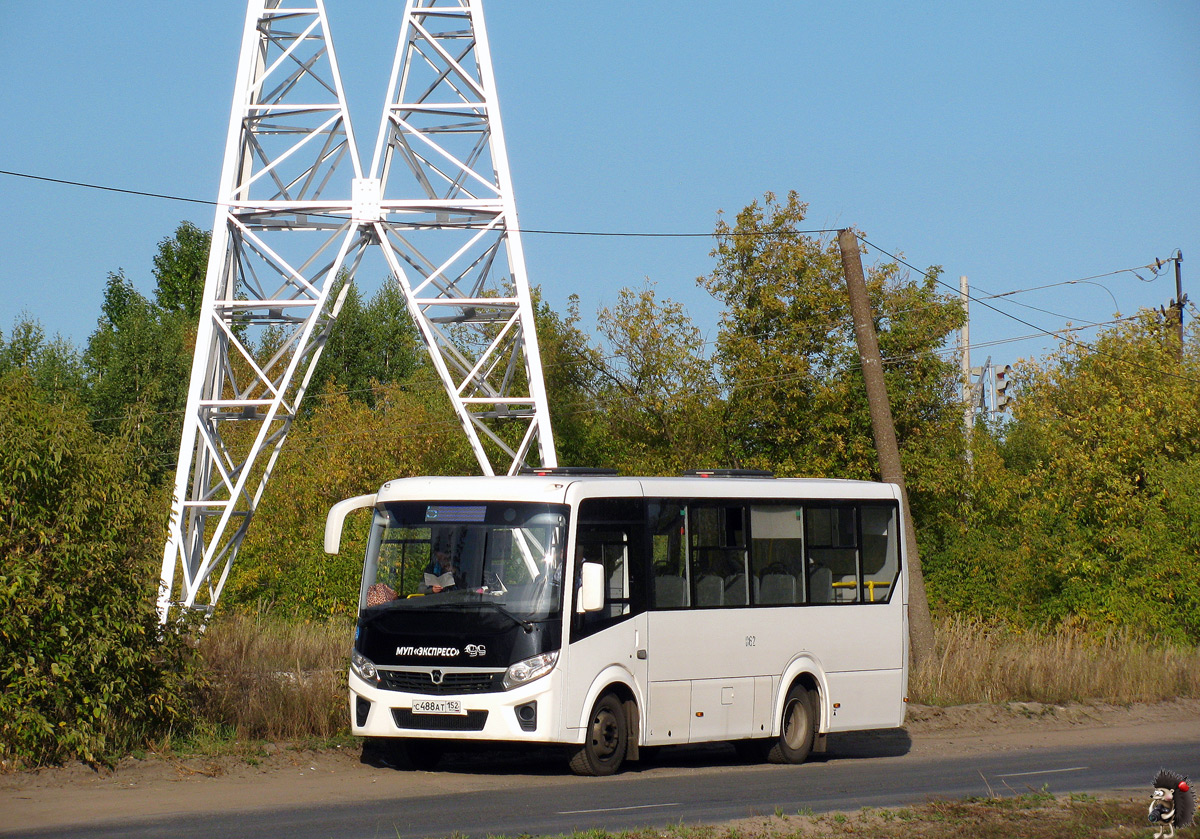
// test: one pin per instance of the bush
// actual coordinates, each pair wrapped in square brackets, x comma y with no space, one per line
[83,673]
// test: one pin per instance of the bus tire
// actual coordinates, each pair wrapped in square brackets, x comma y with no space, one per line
[606,739]
[797,729]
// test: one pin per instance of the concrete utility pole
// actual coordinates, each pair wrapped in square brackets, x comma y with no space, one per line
[1180,300]
[1175,315]
[919,621]
[968,403]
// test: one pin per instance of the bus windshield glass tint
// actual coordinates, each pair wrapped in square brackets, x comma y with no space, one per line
[423,555]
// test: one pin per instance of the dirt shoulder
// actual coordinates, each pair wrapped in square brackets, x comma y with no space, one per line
[283,775]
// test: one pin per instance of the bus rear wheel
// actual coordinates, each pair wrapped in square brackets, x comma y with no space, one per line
[606,739]
[797,730]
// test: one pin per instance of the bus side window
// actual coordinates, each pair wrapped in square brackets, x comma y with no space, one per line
[609,548]
[669,524]
[832,540]
[880,552]
[610,531]
[717,554]
[777,553]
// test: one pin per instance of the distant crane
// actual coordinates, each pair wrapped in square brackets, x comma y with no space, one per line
[296,213]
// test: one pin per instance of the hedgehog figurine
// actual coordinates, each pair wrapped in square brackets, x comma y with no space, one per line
[1172,804]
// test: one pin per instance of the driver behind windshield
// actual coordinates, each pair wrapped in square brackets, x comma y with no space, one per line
[442,573]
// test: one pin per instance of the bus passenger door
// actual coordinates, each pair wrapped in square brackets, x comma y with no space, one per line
[612,640]
[670,626]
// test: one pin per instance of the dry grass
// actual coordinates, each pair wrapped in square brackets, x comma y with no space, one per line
[1034,816]
[977,663]
[275,680]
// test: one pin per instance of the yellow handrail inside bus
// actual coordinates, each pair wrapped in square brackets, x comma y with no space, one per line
[870,584]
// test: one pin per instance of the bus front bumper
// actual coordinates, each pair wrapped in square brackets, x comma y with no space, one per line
[525,713]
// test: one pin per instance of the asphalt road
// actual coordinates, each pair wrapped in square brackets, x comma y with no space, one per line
[690,786]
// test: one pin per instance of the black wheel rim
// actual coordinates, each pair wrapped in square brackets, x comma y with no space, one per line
[606,735]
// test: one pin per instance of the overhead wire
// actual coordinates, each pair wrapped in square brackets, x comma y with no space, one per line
[613,234]
[432,388]
[106,188]
[438,225]
[1060,335]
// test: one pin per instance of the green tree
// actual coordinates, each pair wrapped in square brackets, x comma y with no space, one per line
[55,365]
[571,368]
[82,671]
[139,363]
[661,397]
[179,270]
[1084,509]
[369,344]
[139,359]
[796,402]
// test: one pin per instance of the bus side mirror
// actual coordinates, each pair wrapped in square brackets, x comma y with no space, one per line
[337,516]
[591,592]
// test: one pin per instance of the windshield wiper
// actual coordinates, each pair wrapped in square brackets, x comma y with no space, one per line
[521,622]
[444,605]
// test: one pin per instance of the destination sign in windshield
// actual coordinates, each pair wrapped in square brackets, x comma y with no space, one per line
[457,514]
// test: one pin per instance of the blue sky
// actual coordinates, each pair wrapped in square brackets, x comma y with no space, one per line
[1018,143]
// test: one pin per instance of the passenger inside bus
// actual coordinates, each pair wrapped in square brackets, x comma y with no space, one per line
[380,593]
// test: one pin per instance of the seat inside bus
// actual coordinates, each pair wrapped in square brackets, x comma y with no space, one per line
[820,585]
[670,590]
[710,590]
[777,588]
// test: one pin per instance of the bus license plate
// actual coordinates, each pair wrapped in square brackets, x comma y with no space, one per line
[438,706]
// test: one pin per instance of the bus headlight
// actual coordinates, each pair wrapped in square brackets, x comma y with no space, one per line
[363,667]
[531,668]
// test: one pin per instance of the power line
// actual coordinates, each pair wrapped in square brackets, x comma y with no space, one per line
[426,388]
[611,234]
[105,188]
[1061,335]
[428,226]
[1072,282]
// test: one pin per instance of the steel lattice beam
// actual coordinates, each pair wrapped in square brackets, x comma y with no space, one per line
[296,215]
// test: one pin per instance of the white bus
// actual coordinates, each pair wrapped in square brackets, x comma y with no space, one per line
[614,614]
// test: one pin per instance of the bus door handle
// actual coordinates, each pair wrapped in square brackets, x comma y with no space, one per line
[641,654]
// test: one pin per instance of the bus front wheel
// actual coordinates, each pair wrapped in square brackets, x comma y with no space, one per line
[798,728]
[606,739]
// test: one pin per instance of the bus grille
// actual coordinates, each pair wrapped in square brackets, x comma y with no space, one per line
[471,721]
[420,681]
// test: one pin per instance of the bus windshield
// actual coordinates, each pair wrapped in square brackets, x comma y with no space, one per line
[425,555]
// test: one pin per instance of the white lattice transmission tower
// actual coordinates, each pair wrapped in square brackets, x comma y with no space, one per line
[296,214]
